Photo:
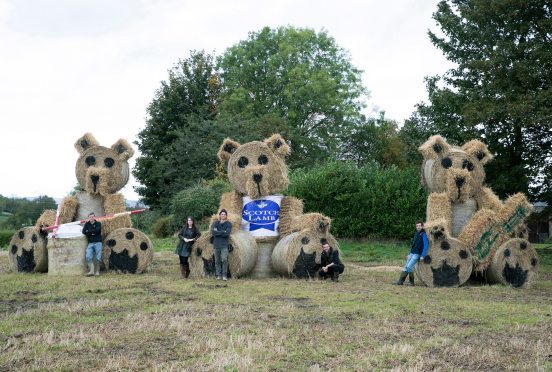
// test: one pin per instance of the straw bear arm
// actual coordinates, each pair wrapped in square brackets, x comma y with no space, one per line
[68,209]
[487,199]
[439,208]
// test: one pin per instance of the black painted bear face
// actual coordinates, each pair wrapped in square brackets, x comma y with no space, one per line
[446,275]
[127,250]
[437,232]
[516,261]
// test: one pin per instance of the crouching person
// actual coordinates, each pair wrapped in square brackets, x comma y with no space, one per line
[332,266]
[418,250]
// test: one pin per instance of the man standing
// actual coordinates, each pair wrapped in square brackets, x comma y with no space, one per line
[331,264]
[93,230]
[220,231]
[418,250]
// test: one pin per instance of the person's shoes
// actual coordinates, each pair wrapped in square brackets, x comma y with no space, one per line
[224,278]
[97,269]
[182,271]
[186,271]
[219,278]
[90,269]
[410,279]
[401,278]
[335,277]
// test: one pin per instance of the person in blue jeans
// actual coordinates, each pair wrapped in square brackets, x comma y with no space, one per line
[418,250]
[93,231]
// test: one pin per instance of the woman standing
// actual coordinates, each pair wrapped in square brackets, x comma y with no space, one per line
[187,236]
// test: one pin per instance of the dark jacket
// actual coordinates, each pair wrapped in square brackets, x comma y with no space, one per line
[332,256]
[93,231]
[419,243]
[184,248]
[221,232]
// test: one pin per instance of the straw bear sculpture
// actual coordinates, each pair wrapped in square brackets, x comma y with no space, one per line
[257,170]
[469,227]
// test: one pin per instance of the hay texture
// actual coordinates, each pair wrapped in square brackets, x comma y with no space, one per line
[127,250]
[241,260]
[290,208]
[66,257]
[461,203]
[27,251]
[515,263]
[298,254]
[448,262]
[47,218]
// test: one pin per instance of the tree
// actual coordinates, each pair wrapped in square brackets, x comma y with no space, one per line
[499,90]
[190,94]
[301,76]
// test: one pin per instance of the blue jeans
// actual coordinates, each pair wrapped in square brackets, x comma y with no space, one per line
[94,249]
[411,262]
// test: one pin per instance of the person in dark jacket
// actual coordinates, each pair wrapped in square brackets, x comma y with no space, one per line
[331,264]
[220,231]
[187,236]
[418,250]
[93,231]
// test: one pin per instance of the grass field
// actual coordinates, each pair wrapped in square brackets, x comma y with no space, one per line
[157,321]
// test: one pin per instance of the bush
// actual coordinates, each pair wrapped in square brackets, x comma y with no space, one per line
[200,201]
[163,227]
[368,201]
[145,220]
[5,237]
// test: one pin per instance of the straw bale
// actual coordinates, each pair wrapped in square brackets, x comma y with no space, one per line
[487,199]
[434,147]
[241,260]
[66,257]
[232,201]
[114,203]
[277,143]
[263,266]
[298,254]
[127,250]
[478,150]
[47,218]
[515,263]
[448,262]
[27,250]
[516,209]
[462,214]
[521,231]
[439,208]
[477,236]
[68,209]
[85,142]
[312,221]
[289,209]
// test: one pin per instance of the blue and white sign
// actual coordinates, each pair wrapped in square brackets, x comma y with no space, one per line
[261,216]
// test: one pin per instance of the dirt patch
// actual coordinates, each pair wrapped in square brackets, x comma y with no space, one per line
[210,286]
[381,269]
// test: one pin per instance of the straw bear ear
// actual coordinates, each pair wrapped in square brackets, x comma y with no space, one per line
[478,150]
[85,142]
[278,145]
[227,149]
[123,149]
[434,147]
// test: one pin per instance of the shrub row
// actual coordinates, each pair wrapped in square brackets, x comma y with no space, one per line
[5,237]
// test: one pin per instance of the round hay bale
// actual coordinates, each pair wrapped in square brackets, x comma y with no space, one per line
[298,254]
[47,218]
[515,263]
[27,251]
[448,263]
[66,256]
[127,250]
[241,260]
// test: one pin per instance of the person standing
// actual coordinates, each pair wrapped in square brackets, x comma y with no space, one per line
[331,264]
[187,236]
[418,250]
[93,231]
[220,231]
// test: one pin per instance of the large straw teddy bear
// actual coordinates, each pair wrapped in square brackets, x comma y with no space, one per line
[462,213]
[101,172]
[257,171]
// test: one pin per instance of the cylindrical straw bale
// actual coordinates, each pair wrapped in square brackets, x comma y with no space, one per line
[515,263]
[241,260]
[448,263]
[298,254]
[127,250]
[27,251]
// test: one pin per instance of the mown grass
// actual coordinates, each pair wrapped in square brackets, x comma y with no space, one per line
[157,321]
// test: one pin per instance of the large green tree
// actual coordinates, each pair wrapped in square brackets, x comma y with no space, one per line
[499,89]
[301,76]
[189,95]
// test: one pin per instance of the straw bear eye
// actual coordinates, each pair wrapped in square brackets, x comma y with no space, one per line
[242,162]
[446,163]
[263,159]
[109,162]
[90,160]
[466,164]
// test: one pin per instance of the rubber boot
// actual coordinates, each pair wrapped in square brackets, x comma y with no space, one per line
[410,279]
[90,269]
[182,271]
[186,270]
[97,269]
[402,278]
[335,277]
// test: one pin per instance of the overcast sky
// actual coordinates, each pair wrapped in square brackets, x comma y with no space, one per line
[72,66]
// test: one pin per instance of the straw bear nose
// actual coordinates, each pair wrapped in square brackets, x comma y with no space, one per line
[95,179]
[459,181]
[257,177]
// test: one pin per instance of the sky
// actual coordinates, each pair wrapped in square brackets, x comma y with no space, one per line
[68,67]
